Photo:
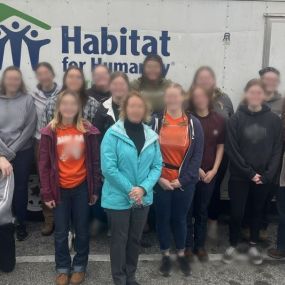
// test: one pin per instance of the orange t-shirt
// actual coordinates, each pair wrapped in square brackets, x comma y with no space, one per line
[71,156]
[174,142]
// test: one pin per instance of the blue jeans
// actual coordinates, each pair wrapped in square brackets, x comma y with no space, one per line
[171,208]
[73,206]
[197,231]
[281,210]
[22,168]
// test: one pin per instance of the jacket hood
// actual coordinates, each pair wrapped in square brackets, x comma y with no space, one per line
[19,94]
[243,108]
[118,130]
[90,130]
[277,96]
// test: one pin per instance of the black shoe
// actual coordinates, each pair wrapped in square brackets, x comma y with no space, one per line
[184,265]
[166,266]
[21,232]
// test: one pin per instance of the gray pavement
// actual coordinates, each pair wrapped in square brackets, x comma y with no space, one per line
[35,265]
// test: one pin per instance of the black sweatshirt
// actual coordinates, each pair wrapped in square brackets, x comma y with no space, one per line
[135,133]
[254,144]
[97,94]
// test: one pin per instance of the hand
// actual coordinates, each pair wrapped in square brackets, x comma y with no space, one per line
[202,174]
[136,194]
[5,166]
[50,204]
[256,179]
[165,184]
[93,200]
[209,176]
[175,183]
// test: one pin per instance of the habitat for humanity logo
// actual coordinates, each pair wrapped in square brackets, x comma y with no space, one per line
[16,35]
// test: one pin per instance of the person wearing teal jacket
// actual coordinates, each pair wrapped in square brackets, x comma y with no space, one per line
[131,164]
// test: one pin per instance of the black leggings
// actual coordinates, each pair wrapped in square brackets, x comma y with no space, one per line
[7,248]
[240,192]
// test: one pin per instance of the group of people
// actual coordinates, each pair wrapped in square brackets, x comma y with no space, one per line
[123,149]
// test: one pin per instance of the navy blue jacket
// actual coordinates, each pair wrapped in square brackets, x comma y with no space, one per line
[189,170]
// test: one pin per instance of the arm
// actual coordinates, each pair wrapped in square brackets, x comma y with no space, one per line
[110,164]
[29,128]
[6,151]
[275,159]
[155,171]
[195,161]
[233,150]
[45,167]
[96,166]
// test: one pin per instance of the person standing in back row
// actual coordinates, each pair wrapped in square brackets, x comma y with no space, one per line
[254,146]
[222,104]
[45,89]
[18,120]
[152,83]
[201,105]
[270,77]
[100,90]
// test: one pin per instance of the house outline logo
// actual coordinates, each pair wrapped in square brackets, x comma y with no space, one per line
[16,35]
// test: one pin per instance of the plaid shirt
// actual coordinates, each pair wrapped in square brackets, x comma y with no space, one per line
[89,110]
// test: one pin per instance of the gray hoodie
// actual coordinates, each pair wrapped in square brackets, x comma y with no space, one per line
[223,104]
[18,121]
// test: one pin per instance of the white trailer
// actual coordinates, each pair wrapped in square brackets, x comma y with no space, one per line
[236,38]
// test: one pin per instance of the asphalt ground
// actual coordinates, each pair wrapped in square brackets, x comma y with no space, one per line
[35,264]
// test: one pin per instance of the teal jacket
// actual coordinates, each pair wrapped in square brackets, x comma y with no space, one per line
[123,168]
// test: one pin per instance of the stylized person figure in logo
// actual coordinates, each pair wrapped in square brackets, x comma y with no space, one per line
[3,42]
[34,47]
[16,39]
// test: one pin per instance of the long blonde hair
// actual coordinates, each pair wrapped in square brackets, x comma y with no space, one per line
[78,120]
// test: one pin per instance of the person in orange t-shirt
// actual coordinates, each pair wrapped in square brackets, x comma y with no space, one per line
[69,168]
[181,143]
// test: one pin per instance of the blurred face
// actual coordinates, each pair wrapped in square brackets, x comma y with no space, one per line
[101,77]
[12,81]
[135,110]
[271,81]
[68,107]
[206,80]
[74,80]
[173,99]
[119,88]
[255,96]
[200,99]
[44,76]
[152,70]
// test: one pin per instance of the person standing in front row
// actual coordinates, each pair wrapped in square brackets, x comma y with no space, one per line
[45,89]
[18,120]
[254,146]
[201,105]
[181,141]
[131,165]
[152,83]
[69,167]
[205,77]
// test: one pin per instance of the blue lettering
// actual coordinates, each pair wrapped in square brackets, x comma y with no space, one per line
[66,39]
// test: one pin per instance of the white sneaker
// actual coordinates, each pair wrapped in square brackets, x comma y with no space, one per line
[230,255]
[255,256]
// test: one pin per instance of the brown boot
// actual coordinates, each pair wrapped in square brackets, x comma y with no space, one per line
[202,255]
[77,278]
[62,279]
[275,253]
[189,254]
[47,229]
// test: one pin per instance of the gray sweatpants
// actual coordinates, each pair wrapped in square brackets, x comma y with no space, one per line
[126,230]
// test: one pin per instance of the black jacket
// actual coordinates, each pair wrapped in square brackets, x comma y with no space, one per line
[98,95]
[104,117]
[254,144]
